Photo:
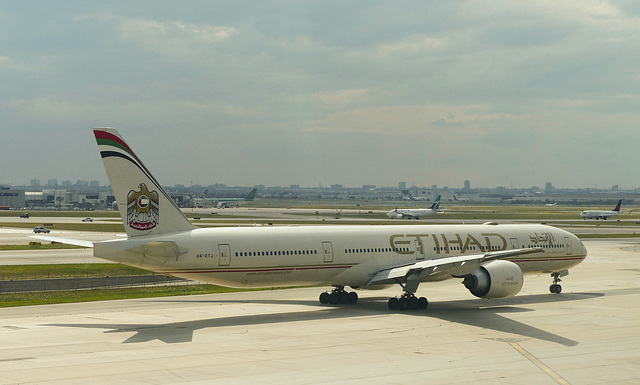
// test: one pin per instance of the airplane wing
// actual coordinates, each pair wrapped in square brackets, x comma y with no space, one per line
[455,266]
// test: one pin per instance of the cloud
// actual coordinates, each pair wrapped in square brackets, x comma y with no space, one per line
[177,40]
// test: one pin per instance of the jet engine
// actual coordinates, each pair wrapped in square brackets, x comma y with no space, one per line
[496,279]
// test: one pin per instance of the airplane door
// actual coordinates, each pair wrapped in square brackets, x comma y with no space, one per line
[327,250]
[514,243]
[567,243]
[419,249]
[225,255]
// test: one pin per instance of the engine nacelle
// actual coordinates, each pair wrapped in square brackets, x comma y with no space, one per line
[399,216]
[496,279]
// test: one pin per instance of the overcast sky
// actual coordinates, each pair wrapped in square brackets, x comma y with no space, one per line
[503,93]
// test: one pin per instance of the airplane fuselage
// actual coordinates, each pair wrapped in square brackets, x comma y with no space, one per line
[598,214]
[337,255]
[410,213]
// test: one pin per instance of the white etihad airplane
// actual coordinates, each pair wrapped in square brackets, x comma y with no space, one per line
[415,213]
[489,259]
[604,214]
[554,204]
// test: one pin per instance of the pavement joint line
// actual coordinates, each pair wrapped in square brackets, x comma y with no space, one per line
[538,363]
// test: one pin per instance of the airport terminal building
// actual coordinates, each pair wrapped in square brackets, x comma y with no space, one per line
[54,199]
[10,199]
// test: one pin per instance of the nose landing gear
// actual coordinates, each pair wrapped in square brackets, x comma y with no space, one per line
[555,286]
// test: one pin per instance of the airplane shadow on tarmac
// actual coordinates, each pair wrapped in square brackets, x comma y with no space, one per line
[478,313]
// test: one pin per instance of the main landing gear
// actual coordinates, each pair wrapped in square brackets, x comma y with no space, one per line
[338,296]
[408,300]
[555,287]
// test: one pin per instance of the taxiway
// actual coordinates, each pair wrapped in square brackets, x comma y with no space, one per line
[587,335]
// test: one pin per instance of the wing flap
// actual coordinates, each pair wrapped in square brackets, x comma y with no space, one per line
[456,266]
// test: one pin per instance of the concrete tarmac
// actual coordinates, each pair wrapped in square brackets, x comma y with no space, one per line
[589,334]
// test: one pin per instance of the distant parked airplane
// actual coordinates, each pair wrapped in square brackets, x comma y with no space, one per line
[415,213]
[604,214]
[225,202]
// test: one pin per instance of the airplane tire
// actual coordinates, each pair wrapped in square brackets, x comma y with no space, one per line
[555,288]
[412,303]
[324,298]
[422,303]
[352,297]
[393,303]
[403,304]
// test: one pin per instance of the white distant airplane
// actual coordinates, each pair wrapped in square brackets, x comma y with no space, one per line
[410,197]
[604,214]
[489,259]
[223,203]
[554,204]
[455,198]
[415,213]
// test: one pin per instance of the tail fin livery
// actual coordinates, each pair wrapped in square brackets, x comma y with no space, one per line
[145,208]
[436,204]
[618,206]
[251,195]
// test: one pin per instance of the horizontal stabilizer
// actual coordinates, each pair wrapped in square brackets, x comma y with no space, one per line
[161,251]
[66,241]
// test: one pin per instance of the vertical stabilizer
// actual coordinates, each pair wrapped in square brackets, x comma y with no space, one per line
[251,195]
[436,204]
[145,208]
[618,206]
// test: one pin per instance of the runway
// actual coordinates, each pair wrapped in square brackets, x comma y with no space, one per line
[589,334]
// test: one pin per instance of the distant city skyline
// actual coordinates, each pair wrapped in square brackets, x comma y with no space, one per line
[466,185]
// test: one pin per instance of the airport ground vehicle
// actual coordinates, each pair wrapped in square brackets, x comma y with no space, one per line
[40,229]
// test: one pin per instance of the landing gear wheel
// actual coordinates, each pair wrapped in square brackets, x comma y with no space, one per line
[422,303]
[338,296]
[403,303]
[407,302]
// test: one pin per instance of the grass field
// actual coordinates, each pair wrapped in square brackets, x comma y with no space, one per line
[53,297]
[71,270]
